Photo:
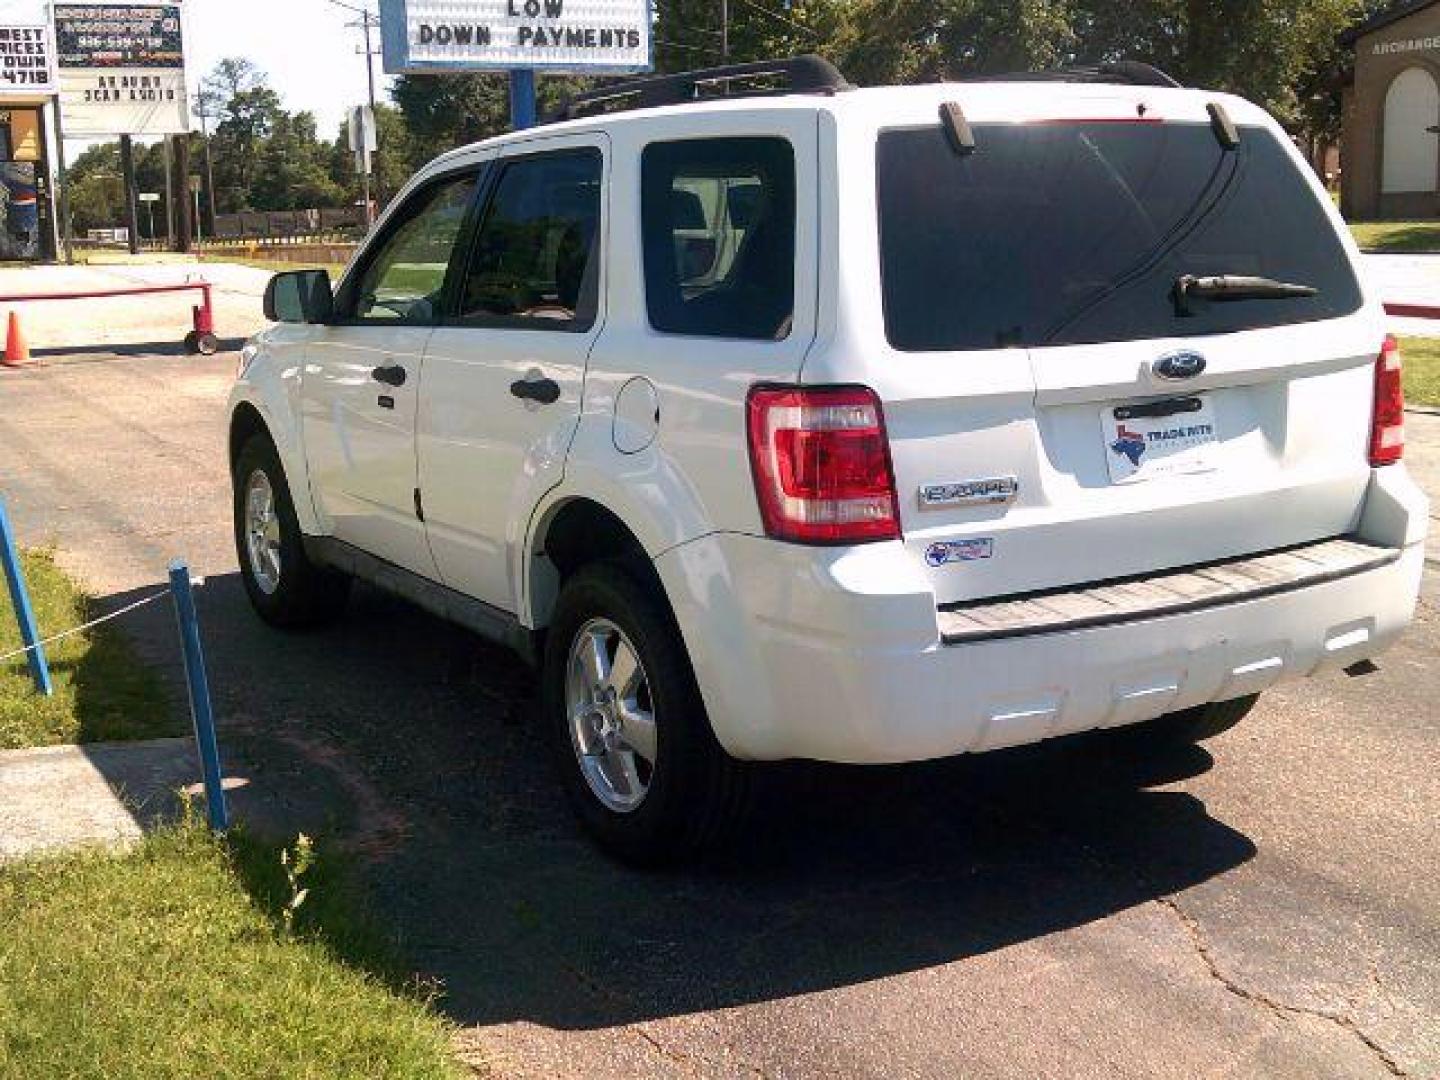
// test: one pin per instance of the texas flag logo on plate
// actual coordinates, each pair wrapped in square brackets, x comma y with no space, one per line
[1130,444]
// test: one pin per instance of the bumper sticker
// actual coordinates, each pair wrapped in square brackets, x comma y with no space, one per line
[943,552]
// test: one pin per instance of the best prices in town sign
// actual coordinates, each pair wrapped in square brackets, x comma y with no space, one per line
[27,62]
[580,36]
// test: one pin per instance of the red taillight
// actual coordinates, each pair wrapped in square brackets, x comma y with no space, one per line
[822,465]
[1387,428]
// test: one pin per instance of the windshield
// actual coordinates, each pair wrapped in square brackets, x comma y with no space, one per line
[1074,233]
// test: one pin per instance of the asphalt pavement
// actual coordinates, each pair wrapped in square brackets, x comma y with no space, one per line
[1266,906]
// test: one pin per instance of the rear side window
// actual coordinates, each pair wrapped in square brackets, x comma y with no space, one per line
[718,217]
[1073,233]
[535,262]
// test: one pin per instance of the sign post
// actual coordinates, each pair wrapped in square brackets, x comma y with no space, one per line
[363,143]
[150,198]
[127,173]
[522,98]
[521,37]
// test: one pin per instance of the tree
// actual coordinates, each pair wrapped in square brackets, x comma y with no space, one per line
[294,171]
[238,94]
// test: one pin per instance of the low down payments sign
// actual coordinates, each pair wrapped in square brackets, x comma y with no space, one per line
[590,36]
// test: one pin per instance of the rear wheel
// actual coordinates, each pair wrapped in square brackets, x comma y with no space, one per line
[1195,725]
[634,747]
[284,586]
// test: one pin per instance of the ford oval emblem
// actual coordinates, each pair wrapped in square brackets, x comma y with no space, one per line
[1184,364]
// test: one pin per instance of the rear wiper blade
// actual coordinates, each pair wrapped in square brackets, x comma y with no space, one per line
[1236,287]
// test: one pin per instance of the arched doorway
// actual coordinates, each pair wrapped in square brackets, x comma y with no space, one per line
[1411,152]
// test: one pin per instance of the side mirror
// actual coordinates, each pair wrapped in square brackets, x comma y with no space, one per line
[302,296]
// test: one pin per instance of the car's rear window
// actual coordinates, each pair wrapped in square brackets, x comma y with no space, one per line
[1074,233]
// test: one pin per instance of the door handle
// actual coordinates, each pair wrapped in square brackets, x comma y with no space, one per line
[542,391]
[389,374]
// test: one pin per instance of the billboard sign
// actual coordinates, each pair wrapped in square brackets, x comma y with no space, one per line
[122,69]
[27,63]
[119,36]
[592,37]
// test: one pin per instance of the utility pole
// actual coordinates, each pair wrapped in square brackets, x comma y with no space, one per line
[724,31]
[368,23]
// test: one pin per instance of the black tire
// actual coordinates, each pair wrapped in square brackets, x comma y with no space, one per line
[697,793]
[306,594]
[1191,726]
[207,344]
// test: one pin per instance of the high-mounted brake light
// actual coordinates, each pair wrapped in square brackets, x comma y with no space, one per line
[821,461]
[1387,426]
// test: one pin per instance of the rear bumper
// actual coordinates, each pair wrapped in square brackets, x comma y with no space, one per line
[838,655]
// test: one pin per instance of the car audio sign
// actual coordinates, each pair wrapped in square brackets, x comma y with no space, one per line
[122,69]
[591,36]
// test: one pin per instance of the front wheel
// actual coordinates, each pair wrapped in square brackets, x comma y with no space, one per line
[629,732]
[285,587]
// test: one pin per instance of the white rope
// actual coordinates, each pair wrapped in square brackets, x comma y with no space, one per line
[88,626]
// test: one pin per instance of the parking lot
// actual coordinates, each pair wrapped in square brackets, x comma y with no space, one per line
[1265,906]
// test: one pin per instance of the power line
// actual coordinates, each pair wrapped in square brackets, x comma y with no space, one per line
[370,15]
[772,14]
[689,48]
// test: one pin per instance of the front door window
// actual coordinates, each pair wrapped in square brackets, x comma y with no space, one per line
[404,281]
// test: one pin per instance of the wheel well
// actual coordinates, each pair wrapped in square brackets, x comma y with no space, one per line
[581,532]
[245,422]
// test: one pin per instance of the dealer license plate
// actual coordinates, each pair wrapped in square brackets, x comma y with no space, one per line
[1142,446]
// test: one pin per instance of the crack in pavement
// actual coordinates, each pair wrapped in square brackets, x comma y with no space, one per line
[1202,949]
[691,1062]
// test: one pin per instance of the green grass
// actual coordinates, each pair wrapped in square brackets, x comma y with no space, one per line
[102,692]
[277,266]
[1397,237]
[1421,357]
[173,960]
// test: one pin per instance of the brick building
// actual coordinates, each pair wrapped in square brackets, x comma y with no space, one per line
[1390,141]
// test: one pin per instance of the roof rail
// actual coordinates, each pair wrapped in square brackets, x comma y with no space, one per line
[808,74]
[1131,72]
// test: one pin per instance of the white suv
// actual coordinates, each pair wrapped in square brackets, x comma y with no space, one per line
[773,419]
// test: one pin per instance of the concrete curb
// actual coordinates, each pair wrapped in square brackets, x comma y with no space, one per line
[62,797]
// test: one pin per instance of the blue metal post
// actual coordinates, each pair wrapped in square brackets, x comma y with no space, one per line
[20,596]
[522,98]
[200,712]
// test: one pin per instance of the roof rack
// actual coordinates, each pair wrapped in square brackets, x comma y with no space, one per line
[808,74]
[1131,72]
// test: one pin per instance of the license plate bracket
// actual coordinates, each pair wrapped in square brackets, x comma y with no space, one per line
[1144,440]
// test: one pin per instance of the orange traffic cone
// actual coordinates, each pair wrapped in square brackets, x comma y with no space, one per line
[17,350]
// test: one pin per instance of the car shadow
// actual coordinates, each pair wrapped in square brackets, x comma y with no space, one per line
[411,747]
[133,349]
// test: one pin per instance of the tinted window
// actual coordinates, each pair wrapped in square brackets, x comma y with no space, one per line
[405,278]
[719,225]
[1067,233]
[535,262]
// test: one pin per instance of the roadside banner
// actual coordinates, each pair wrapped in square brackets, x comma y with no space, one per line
[27,62]
[593,37]
[122,69]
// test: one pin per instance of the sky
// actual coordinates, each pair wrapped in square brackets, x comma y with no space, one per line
[314,62]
